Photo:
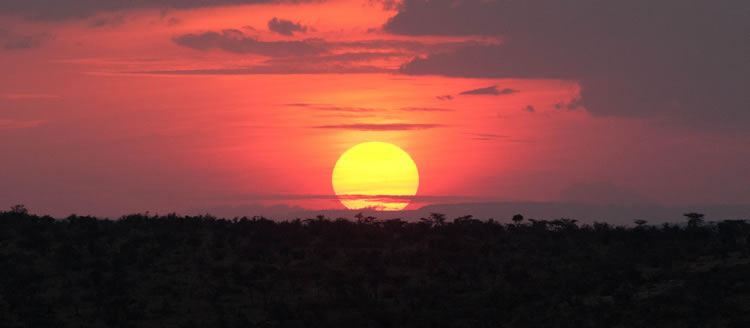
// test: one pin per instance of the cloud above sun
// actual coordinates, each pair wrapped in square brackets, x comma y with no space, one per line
[235,41]
[657,66]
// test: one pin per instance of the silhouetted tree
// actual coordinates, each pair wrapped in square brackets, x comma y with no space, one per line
[640,223]
[362,219]
[694,219]
[465,219]
[19,209]
[434,220]
[564,224]
[517,219]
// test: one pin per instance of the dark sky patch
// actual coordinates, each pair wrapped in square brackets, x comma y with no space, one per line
[285,26]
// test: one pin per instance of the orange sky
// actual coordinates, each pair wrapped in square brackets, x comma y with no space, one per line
[115,113]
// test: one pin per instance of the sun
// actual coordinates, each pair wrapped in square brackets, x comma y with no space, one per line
[375,175]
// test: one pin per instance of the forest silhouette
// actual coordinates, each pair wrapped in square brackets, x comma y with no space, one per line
[147,270]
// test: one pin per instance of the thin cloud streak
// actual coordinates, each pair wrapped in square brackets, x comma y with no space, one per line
[490,137]
[426,109]
[381,127]
[334,108]
[235,41]
[492,90]
[271,69]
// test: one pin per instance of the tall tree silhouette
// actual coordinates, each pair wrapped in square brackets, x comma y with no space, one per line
[694,219]
[434,220]
[517,219]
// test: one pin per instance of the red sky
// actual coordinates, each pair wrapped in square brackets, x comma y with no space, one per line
[167,106]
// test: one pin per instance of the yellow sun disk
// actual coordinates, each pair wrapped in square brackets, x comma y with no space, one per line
[375,169]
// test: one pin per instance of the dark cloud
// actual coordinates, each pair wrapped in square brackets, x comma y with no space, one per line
[65,9]
[530,109]
[11,40]
[489,91]
[574,104]
[685,59]
[285,27]
[444,97]
[319,55]
[235,41]
[315,51]
[334,108]
[407,45]
[486,62]
[446,17]
[381,127]
[340,58]
[108,21]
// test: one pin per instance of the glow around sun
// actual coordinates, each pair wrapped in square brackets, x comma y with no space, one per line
[375,175]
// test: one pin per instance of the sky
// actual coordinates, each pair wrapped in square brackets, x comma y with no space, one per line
[110,107]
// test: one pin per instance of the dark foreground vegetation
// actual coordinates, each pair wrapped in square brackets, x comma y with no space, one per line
[170,271]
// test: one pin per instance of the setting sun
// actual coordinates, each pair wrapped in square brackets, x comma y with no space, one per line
[375,175]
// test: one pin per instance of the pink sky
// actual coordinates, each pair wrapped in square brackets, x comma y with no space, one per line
[122,110]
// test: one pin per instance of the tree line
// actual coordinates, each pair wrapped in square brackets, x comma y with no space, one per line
[145,270]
